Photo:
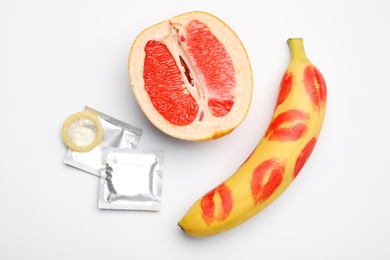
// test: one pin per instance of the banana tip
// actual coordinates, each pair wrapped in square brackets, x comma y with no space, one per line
[181,227]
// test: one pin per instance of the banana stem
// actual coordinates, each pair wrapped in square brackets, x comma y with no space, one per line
[296,48]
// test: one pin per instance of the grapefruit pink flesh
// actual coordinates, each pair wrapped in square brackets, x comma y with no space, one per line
[164,85]
[215,65]
[210,72]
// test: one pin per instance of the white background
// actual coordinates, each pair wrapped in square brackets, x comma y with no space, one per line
[58,56]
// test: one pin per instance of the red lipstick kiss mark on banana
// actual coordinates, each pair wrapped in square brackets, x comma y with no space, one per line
[266,179]
[219,212]
[315,86]
[288,126]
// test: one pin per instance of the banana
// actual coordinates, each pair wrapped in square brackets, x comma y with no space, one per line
[276,160]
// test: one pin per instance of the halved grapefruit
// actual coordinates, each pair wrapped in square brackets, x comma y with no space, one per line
[191,76]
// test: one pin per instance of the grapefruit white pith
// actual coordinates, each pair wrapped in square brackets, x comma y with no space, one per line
[191,76]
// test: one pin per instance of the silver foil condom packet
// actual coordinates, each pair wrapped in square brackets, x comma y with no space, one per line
[115,134]
[131,179]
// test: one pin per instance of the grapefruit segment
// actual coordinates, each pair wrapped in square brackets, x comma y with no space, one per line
[215,66]
[165,86]
[191,76]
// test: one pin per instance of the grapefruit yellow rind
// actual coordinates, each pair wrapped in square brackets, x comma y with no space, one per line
[210,127]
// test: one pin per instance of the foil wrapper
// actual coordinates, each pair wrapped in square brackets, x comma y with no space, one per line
[115,134]
[131,179]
